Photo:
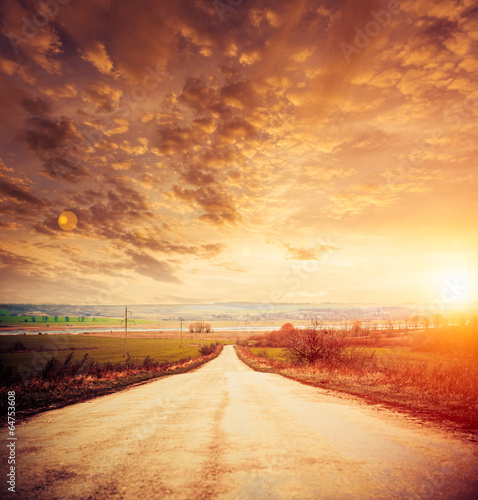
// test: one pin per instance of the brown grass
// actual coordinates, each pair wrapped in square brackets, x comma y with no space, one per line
[455,340]
[445,392]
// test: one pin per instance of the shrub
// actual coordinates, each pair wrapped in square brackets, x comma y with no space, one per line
[56,370]
[208,349]
[315,343]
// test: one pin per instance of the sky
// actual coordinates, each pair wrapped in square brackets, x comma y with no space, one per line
[254,150]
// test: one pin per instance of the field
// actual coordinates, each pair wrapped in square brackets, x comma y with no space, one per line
[7,319]
[49,371]
[100,349]
[432,374]
[52,320]
[384,355]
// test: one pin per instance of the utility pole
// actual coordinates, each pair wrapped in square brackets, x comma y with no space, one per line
[181,345]
[126,331]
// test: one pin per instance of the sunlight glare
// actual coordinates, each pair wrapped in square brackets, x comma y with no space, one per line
[459,285]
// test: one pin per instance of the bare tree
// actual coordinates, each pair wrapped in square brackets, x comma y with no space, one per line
[200,327]
[315,343]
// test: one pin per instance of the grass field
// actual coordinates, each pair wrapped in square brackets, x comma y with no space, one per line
[51,371]
[269,352]
[54,320]
[384,355]
[99,349]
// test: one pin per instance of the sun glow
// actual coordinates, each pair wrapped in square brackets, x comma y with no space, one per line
[67,221]
[458,285]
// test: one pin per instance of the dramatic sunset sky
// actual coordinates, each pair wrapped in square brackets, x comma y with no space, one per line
[289,151]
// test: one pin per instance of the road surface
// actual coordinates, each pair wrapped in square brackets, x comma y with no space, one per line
[224,431]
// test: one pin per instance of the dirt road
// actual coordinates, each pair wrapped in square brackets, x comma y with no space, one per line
[225,431]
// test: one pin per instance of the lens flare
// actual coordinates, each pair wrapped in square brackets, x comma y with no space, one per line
[67,221]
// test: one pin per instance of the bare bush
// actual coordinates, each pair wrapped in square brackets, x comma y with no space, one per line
[315,343]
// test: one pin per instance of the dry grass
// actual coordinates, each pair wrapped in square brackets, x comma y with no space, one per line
[447,391]
[455,340]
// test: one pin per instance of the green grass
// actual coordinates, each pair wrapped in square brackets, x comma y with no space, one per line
[403,355]
[271,352]
[219,341]
[100,349]
[50,320]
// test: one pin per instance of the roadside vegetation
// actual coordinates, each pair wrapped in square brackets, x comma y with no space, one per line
[432,373]
[53,375]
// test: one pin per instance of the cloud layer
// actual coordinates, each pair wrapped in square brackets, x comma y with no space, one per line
[205,150]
